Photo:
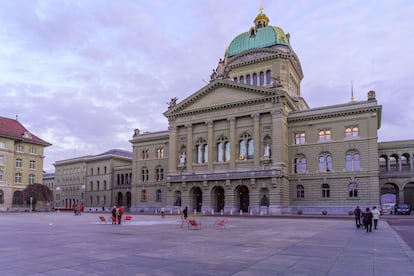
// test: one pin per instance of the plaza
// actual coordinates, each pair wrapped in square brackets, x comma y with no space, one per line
[59,243]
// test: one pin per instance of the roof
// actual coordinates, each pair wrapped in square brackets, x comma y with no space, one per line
[264,37]
[117,152]
[11,128]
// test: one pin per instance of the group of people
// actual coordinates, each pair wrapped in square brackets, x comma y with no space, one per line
[78,209]
[117,213]
[368,217]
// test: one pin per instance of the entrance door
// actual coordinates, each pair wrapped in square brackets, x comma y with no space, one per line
[243,198]
[197,199]
[218,199]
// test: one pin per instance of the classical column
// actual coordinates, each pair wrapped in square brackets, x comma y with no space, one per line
[189,160]
[388,164]
[411,161]
[256,139]
[210,143]
[399,162]
[172,158]
[233,141]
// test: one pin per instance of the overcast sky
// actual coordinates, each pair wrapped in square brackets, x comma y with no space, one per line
[84,74]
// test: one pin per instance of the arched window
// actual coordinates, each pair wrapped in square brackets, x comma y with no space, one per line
[353,189]
[325,190]
[325,135]
[300,191]
[144,195]
[248,80]
[144,174]
[246,147]
[241,79]
[202,151]
[300,164]
[1,197]
[223,149]
[177,198]
[268,77]
[158,195]
[235,79]
[254,79]
[325,162]
[352,162]
[261,78]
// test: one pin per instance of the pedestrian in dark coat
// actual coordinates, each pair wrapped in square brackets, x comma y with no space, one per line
[185,212]
[357,214]
[368,220]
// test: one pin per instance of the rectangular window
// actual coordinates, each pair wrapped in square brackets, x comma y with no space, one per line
[300,138]
[325,135]
[32,150]
[32,164]
[19,148]
[351,132]
[19,163]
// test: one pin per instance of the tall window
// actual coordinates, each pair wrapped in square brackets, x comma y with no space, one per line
[352,162]
[2,145]
[31,178]
[32,164]
[32,150]
[19,163]
[144,174]
[246,147]
[300,138]
[325,190]
[248,80]
[324,135]
[325,162]
[300,191]
[268,77]
[98,185]
[1,197]
[19,148]
[159,171]
[254,79]
[351,132]
[223,149]
[158,195]
[353,189]
[160,153]
[1,160]
[202,151]
[241,79]
[1,175]
[300,164]
[18,178]
[144,195]
[261,78]
[145,154]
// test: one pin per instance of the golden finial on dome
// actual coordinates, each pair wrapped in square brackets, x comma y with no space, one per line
[261,19]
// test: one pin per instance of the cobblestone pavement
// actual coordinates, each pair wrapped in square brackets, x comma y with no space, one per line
[64,244]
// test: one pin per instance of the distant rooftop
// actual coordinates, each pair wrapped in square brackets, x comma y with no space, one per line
[118,152]
[11,128]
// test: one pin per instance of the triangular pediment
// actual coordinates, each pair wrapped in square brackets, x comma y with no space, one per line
[221,93]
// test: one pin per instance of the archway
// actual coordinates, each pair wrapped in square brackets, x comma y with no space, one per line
[128,199]
[242,198]
[120,199]
[196,199]
[17,198]
[409,193]
[218,199]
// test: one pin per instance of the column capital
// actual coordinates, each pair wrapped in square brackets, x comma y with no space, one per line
[231,119]
[255,116]
[209,123]
[189,126]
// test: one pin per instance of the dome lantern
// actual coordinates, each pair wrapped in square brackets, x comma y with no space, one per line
[261,20]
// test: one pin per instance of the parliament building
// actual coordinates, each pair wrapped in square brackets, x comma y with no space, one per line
[247,142]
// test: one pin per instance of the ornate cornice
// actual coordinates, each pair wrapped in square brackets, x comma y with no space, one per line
[331,114]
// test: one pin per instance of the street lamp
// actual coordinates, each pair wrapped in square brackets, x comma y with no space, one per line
[31,203]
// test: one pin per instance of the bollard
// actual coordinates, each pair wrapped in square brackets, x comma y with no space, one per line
[251,212]
[222,212]
[241,212]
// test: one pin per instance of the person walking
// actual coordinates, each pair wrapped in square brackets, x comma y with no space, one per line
[368,220]
[357,214]
[162,212]
[113,212]
[375,216]
[120,213]
[185,213]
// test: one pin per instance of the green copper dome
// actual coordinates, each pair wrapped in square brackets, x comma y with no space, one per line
[258,38]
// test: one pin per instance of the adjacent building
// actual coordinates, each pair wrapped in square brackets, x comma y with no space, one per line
[21,162]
